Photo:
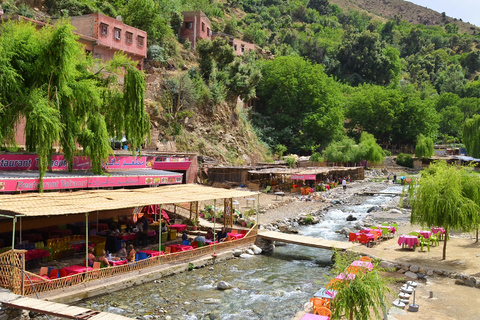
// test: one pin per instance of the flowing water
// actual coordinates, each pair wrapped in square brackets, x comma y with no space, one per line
[273,286]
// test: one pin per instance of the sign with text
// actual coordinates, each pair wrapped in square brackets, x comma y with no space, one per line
[12,162]
[303,177]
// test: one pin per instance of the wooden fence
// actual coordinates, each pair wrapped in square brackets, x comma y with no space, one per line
[12,266]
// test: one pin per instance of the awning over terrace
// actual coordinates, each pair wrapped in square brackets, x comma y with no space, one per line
[65,203]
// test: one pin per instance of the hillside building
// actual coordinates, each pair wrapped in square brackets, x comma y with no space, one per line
[196,26]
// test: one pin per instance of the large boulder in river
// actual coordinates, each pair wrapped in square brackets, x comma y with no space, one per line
[255,249]
[344,231]
[395,211]
[351,218]
[222,285]
[374,208]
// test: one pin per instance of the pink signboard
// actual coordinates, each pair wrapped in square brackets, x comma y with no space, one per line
[303,177]
[161,165]
[30,162]
[86,182]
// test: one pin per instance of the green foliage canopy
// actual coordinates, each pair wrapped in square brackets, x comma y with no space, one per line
[471,136]
[47,79]
[424,147]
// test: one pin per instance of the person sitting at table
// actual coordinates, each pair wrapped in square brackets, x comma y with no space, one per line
[131,253]
[200,239]
[122,254]
[185,239]
[209,235]
[91,257]
[103,259]
[222,235]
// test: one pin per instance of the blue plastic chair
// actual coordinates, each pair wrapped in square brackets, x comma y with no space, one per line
[142,256]
[186,242]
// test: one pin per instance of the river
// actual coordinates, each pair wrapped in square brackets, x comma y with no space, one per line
[269,286]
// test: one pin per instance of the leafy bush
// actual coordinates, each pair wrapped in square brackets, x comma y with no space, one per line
[157,53]
[308,219]
[387,153]
[290,161]
[405,160]
[316,157]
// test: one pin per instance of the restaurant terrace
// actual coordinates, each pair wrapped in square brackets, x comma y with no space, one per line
[33,210]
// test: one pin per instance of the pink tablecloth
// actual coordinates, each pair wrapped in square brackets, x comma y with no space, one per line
[127,237]
[178,227]
[36,254]
[117,263]
[76,269]
[436,230]
[362,264]
[152,253]
[410,241]
[425,233]
[310,316]
[235,236]
[180,247]
[369,235]
[151,233]
[372,231]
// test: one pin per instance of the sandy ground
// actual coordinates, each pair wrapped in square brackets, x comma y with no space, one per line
[449,301]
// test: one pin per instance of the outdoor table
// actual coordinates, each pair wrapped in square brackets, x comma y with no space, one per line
[151,233]
[78,245]
[438,230]
[76,269]
[178,227]
[279,193]
[311,316]
[152,253]
[36,254]
[362,264]
[235,236]
[325,293]
[180,247]
[378,232]
[425,233]
[209,242]
[369,235]
[410,241]
[117,262]
[127,237]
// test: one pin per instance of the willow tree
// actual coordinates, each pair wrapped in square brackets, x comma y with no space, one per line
[471,136]
[424,147]
[65,97]
[361,298]
[440,199]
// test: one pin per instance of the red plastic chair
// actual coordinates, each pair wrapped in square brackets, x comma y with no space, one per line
[352,237]
[364,239]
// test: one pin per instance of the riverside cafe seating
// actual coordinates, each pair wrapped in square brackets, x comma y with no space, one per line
[323,300]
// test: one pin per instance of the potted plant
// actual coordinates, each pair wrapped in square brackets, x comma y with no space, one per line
[194,224]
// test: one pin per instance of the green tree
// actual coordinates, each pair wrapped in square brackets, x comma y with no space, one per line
[322,6]
[362,297]
[298,104]
[370,150]
[280,150]
[440,199]
[343,151]
[424,147]
[471,136]
[46,77]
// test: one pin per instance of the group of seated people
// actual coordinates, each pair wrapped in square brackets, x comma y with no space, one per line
[122,254]
[209,237]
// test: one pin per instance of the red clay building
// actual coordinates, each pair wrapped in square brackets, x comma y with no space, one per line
[196,26]
[111,35]
[239,46]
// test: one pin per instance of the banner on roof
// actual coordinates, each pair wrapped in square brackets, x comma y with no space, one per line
[11,162]
[303,177]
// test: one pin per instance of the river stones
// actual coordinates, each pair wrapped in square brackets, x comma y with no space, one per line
[255,249]
[222,285]
[246,255]
[237,253]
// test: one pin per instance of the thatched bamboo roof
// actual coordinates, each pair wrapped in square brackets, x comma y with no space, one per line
[63,203]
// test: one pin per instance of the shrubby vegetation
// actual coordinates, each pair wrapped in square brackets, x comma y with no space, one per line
[405,160]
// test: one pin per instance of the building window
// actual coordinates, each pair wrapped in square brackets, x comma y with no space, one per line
[235,47]
[104,28]
[243,47]
[208,32]
[117,33]
[129,37]
[188,25]
[203,26]
[97,56]
[140,41]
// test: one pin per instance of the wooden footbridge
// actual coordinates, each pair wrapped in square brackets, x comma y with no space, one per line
[305,241]
[55,309]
